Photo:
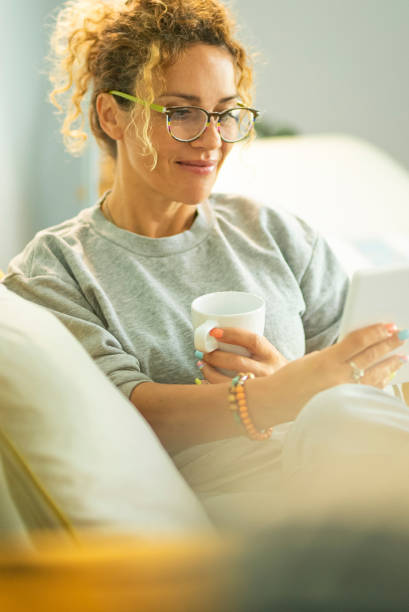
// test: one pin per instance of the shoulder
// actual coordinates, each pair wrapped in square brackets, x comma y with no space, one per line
[290,233]
[49,250]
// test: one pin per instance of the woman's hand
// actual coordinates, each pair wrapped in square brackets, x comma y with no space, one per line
[367,350]
[264,358]
[364,351]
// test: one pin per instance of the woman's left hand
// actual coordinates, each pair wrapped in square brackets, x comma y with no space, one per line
[264,358]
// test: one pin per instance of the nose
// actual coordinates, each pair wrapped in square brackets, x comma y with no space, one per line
[210,139]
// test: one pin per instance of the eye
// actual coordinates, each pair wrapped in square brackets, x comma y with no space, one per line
[181,114]
[230,116]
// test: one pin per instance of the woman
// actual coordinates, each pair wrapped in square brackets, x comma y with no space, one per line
[170,95]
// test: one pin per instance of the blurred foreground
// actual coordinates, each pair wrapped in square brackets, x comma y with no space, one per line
[338,540]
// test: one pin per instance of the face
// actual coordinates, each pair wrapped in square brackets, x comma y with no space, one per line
[185,171]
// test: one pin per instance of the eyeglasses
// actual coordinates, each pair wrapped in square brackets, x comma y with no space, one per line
[187,123]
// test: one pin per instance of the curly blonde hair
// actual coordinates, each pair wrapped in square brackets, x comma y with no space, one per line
[100,45]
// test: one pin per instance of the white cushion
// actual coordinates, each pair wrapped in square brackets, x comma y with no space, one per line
[341,185]
[86,448]
[348,189]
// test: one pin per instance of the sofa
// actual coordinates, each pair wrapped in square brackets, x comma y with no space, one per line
[354,193]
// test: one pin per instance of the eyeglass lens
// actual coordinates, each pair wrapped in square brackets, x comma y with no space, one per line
[188,123]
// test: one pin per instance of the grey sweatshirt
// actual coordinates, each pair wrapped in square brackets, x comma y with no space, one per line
[127,297]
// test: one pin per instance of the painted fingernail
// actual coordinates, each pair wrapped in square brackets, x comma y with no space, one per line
[200,364]
[198,381]
[403,334]
[404,358]
[199,354]
[216,332]
[391,328]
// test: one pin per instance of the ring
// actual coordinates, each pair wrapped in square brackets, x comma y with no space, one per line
[357,373]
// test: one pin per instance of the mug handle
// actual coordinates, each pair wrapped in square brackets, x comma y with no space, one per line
[203,342]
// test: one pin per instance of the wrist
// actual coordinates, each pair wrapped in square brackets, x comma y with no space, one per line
[238,406]
[272,401]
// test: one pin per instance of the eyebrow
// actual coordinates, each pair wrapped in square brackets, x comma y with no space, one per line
[192,98]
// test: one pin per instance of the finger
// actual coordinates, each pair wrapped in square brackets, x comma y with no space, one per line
[357,341]
[212,375]
[381,374]
[257,345]
[237,363]
[376,352]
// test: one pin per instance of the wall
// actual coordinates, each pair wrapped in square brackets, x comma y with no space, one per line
[334,66]
[41,185]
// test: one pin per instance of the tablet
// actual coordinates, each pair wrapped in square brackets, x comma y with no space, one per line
[379,295]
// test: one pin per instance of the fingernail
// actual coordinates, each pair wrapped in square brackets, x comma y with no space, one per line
[403,334]
[199,354]
[216,332]
[392,375]
[198,381]
[404,358]
[391,328]
[200,364]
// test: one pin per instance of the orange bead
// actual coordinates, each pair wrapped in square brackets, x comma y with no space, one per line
[238,404]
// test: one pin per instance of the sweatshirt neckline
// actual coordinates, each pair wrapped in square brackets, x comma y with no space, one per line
[153,247]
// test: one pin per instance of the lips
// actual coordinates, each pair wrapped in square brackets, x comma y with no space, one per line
[199,163]
[198,166]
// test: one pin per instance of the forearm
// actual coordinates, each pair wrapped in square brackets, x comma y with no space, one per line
[185,415]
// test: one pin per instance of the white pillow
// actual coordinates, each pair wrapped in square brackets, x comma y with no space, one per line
[85,446]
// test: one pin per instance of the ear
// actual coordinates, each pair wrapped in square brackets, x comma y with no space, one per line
[111,117]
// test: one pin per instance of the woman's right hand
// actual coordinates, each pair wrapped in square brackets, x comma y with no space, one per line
[367,348]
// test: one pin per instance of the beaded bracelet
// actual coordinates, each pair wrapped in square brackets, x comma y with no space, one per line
[238,404]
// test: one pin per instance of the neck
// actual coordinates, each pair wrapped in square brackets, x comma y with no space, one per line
[154,220]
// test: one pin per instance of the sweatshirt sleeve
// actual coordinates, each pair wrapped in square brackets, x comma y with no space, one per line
[319,275]
[66,301]
[324,286]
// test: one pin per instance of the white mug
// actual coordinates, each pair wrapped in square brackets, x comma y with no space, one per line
[226,309]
